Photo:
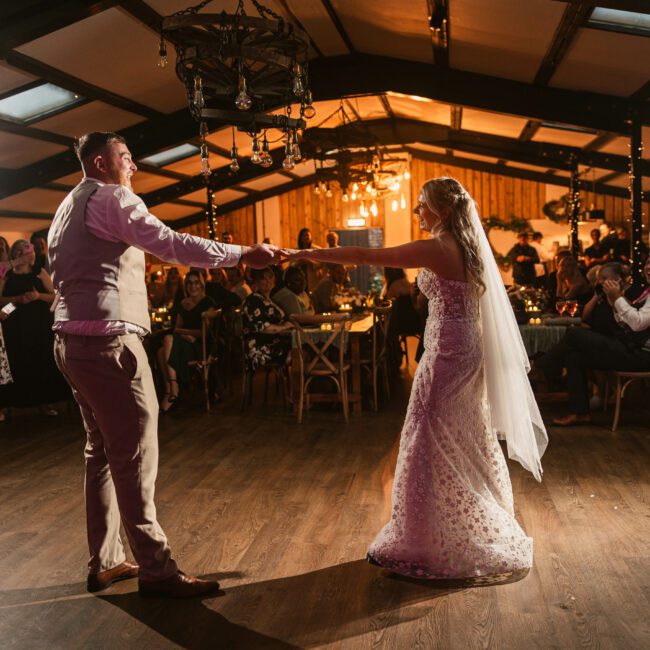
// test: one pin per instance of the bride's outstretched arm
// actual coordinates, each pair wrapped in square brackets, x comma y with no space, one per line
[431,253]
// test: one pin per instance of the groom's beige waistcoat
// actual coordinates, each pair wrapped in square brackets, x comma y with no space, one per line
[94,279]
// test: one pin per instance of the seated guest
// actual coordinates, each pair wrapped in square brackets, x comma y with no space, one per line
[587,350]
[571,284]
[28,335]
[237,282]
[325,291]
[185,344]
[264,323]
[597,315]
[227,238]
[596,253]
[215,289]
[523,258]
[396,284]
[293,298]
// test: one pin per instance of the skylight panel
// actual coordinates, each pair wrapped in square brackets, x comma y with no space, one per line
[620,21]
[170,156]
[38,102]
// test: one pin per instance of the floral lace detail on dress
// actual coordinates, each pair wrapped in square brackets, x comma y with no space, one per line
[452,508]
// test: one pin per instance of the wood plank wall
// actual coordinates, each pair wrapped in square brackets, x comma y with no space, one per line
[506,197]
[497,196]
[302,208]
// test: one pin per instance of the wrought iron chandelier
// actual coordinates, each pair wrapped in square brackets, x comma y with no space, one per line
[365,176]
[236,68]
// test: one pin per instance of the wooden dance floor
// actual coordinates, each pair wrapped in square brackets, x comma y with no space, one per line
[282,514]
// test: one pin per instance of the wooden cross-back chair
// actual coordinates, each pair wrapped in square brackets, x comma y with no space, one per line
[210,321]
[313,345]
[379,352]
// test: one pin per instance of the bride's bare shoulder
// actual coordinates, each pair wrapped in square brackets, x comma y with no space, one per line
[447,261]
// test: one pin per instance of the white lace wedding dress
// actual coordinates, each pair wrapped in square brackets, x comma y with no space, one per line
[452,508]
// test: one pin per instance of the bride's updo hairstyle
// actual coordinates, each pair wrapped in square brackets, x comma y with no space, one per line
[445,192]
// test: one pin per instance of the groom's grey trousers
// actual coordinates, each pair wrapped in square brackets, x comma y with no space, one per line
[112,383]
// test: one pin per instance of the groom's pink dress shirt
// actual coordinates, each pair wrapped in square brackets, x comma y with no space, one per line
[116,214]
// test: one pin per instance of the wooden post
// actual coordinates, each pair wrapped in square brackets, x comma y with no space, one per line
[636,198]
[209,212]
[574,207]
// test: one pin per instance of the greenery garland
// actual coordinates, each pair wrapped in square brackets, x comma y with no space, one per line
[515,224]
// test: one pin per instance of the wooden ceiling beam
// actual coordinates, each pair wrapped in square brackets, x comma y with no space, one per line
[17,128]
[20,214]
[222,178]
[530,129]
[336,21]
[244,202]
[600,141]
[27,23]
[456,117]
[514,172]
[440,48]
[75,85]
[575,15]
[405,131]
[367,74]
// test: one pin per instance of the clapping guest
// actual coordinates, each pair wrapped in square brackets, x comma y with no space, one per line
[292,298]
[28,335]
[265,324]
[185,343]
[571,284]
[592,351]
[325,291]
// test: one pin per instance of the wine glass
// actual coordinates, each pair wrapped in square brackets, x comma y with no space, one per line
[572,307]
[560,306]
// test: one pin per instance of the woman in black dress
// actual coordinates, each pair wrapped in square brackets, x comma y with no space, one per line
[28,336]
[265,325]
[185,344]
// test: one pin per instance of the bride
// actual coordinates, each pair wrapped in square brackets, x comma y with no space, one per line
[452,510]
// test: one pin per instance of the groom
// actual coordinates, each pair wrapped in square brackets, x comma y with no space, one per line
[96,245]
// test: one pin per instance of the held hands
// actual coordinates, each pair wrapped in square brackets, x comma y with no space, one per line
[291,254]
[260,255]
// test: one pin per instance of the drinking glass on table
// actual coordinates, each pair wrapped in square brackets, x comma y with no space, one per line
[560,306]
[572,307]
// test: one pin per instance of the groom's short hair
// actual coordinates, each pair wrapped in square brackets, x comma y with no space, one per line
[91,143]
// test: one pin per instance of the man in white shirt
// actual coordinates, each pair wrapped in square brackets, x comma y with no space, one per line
[96,245]
[590,350]
[541,268]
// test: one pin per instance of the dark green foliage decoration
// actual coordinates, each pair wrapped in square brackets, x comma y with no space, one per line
[515,224]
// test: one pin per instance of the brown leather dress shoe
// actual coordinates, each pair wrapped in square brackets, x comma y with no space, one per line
[178,586]
[104,579]
[572,420]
